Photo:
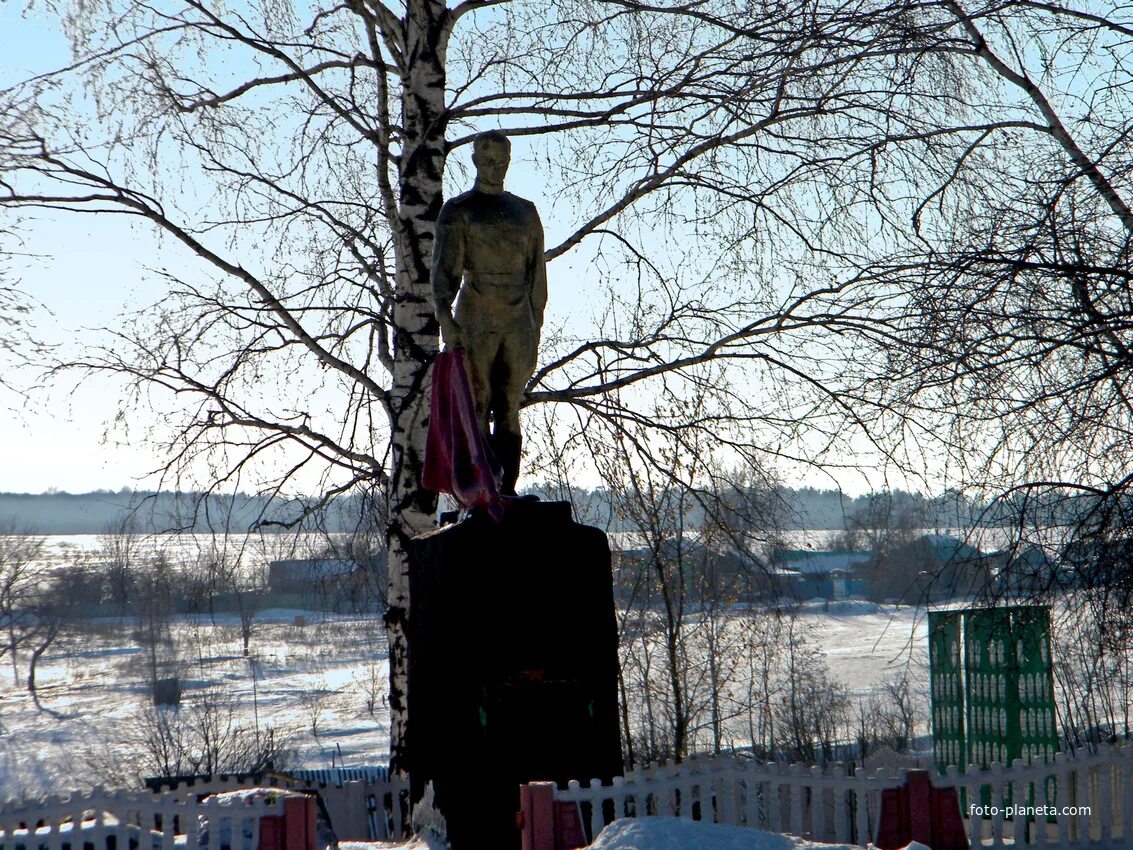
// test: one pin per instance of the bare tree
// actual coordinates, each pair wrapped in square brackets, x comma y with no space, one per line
[121,552]
[887,521]
[690,543]
[19,346]
[372,685]
[153,606]
[1092,674]
[891,714]
[1015,285]
[22,588]
[201,738]
[314,702]
[362,542]
[661,571]
[228,565]
[51,615]
[35,604]
[813,709]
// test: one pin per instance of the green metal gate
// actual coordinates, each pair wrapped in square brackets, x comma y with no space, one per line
[992,689]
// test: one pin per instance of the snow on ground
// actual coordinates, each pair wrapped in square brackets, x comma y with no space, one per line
[668,834]
[678,834]
[321,685]
[865,643]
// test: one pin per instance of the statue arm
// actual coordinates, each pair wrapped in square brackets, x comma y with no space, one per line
[446,273]
[538,271]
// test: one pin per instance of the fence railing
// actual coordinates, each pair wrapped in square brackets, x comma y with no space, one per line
[1079,800]
[824,805]
[135,819]
[364,804]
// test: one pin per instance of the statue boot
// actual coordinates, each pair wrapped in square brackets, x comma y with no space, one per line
[508,449]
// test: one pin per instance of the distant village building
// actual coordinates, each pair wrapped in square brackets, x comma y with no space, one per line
[1028,572]
[1098,562]
[299,575]
[812,574]
[739,576]
[931,567]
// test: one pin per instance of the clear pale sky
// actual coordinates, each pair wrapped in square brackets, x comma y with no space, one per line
[84,271]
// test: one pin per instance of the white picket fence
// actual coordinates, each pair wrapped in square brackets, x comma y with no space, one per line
[138,820]
[822,804]
[364,804]
[832,805]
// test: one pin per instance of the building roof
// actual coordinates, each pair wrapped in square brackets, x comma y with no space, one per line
[811,561]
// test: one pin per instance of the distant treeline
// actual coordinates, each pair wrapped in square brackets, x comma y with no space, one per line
[799,509]
[148,512]
[808,509]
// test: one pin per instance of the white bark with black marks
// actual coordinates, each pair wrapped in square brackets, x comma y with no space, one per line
[415,342]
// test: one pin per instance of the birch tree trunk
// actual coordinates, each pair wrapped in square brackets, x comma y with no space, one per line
[421,167]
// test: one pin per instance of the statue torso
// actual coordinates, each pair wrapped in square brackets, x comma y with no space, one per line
[498,235]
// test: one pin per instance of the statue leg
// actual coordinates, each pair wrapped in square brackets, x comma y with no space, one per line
[508,448]
[487,374]
[479,353]
[513,369]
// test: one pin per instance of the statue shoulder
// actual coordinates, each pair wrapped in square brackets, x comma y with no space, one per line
[454,208]
[528,207]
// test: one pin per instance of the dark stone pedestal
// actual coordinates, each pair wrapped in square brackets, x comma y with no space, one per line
[512,665]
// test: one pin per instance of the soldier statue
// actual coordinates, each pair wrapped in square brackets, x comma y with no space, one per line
[488,258]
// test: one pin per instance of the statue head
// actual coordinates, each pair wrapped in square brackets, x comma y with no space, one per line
[491,154]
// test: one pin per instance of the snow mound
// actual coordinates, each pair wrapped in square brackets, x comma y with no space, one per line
[418,843]
[679,834]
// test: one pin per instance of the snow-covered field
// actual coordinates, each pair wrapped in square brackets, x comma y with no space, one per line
[865,642]
[319,680]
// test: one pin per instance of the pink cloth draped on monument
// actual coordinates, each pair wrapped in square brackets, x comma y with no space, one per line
[458,460]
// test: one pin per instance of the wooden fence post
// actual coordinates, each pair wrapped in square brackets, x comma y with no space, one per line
[537,816]
[299,815]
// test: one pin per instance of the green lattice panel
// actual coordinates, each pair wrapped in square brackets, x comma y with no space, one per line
[1038,737]
[990,676]
[946,688]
